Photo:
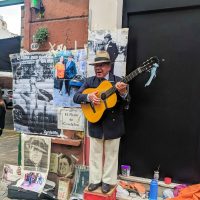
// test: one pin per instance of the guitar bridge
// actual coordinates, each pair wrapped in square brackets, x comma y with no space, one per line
[105,103]
[103,98]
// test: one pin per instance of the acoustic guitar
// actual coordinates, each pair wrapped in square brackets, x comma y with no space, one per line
[106,92]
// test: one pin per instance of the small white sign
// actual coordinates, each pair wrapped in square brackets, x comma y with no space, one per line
[71,119]
[34,46]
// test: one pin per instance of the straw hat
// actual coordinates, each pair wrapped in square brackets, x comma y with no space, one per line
[101,57]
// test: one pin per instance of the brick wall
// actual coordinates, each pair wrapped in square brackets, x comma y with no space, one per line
[66,21]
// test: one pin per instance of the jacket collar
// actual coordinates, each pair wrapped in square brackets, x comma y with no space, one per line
[111,77]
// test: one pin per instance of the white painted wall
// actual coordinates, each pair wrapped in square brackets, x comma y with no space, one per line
[105,14]
[4,33]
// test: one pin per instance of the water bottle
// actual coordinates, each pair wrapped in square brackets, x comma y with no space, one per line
[153,193]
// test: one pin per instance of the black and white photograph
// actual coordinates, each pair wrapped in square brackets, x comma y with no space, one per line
[36,153]
[69,74]
[33,83]
[65,166]
[115,43]
[62,164]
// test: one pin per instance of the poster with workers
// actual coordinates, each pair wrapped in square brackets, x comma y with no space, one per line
[115,43]
[69,74]
[33,83]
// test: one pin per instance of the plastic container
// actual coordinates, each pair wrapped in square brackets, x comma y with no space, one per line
[156,175]
[126,169]
[167,180]
[153,193]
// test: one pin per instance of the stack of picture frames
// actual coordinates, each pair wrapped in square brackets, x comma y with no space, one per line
[53,127]
[69,74]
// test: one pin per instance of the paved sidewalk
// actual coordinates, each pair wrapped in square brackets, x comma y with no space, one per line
[8,155]
[8,148]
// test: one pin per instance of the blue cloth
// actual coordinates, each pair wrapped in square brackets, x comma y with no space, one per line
[153,74]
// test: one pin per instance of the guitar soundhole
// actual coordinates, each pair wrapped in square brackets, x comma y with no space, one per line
[103,96]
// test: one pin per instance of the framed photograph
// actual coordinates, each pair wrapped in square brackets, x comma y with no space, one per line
[36,153]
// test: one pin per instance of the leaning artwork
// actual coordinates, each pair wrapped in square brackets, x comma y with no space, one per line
[36,153]
[32,181]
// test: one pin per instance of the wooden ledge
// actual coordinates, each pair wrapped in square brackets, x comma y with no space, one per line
[147,181]
[69,137]
[67,141]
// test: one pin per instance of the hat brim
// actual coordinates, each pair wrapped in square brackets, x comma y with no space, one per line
[37,147]
[100,61]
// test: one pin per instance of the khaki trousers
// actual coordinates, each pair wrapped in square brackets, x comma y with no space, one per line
[103,171]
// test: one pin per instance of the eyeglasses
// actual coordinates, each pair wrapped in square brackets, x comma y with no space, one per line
[100,64]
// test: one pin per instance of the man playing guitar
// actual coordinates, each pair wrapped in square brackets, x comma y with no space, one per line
[106,132]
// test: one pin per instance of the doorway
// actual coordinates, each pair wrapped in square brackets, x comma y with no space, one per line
[162,124]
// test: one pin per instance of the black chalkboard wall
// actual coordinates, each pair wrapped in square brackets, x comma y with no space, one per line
[163,122]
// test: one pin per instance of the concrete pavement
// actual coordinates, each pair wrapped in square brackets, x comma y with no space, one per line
[8,150]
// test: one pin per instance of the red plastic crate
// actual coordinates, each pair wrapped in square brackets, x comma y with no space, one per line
[98,195]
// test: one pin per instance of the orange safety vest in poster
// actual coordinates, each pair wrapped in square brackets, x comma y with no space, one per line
[60,70]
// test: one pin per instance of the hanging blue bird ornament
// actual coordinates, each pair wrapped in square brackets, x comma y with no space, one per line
[153,74]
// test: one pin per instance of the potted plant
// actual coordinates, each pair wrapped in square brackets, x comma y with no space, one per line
[41,35]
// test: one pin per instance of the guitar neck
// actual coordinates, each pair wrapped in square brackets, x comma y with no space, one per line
[145,66]
[132,75]
[125,80]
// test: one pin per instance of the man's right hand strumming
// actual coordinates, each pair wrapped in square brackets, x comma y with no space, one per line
[92,97]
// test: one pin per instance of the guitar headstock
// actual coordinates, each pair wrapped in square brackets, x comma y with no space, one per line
[148,64]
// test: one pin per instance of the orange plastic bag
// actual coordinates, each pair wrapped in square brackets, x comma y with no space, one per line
[189,193]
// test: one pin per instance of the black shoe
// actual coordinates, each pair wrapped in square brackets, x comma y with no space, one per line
[93,186]
[105,188]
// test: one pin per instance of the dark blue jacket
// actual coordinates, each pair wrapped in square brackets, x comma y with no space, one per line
[70,70]
[111,125]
